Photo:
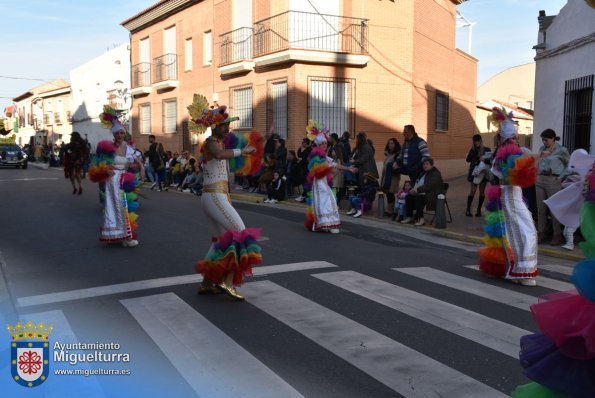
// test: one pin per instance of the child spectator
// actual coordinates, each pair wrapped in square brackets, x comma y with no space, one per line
[276,189]
[399,210]
[366,196]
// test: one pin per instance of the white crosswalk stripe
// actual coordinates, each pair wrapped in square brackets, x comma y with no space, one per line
[482,289]
[550,283]
[407,371]
[403,369]
[492,333]
[194,340]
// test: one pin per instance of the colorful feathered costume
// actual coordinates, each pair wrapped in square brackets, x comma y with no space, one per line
[234,247]
[561,359]
[511,238]
[322,213]
[120,185]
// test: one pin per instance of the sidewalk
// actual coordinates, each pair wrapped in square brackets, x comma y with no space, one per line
[462,228]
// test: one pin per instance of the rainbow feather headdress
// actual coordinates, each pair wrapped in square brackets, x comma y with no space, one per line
[316,133]
[205,116]
[503,122]
[110,119]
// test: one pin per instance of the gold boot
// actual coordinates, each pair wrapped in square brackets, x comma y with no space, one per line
[230,291]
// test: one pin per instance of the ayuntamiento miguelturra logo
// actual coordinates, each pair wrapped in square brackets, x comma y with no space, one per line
[30,353]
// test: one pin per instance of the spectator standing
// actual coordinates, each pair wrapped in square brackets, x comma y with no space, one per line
[303,153]
[477,154]
[414,152]
[363,158]
[292,173]
[391,178]
[280,155]
[552,162]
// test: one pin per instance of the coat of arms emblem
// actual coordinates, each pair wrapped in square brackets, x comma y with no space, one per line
[29,353]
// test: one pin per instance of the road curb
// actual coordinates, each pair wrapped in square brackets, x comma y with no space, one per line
[253,198]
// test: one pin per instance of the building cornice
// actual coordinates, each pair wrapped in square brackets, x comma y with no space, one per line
[571,45]
[155,13]
[22,96]
[51,93]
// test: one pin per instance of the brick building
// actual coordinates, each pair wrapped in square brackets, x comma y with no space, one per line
[353,65]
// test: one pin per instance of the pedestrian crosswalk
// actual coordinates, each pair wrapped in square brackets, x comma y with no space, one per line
[202,353]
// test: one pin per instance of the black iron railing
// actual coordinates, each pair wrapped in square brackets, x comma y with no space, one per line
[236,46]
[141,75]
[165,67]
[310,31]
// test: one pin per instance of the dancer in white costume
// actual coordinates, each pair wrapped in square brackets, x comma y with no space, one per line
[116,164]
[234,249]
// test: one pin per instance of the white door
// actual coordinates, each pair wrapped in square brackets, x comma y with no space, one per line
[170,52]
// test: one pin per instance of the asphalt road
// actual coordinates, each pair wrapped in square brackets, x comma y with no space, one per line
[374,311]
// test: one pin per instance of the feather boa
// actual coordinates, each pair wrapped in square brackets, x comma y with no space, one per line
[245,165]
[318,166]
[492,258]
[101,163]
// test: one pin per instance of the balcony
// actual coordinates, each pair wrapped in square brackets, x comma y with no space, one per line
[165,72]
[236,51]
[309,37]
[141,79]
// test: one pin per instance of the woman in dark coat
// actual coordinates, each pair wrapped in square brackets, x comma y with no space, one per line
[363,158]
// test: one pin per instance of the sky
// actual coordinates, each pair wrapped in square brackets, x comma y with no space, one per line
[43,40]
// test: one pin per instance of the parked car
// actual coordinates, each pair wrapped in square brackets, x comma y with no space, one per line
[12,155]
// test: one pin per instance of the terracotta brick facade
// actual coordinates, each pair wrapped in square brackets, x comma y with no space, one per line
[412,54]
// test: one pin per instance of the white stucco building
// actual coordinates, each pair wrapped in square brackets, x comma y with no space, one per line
[564,75]
[102,80]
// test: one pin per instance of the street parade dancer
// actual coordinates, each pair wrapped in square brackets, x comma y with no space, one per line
[119,167]
[322,213]
[511,237]
[560,359]
[234,249]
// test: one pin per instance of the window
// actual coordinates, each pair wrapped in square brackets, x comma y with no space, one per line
[188,54]
[277,107]
[169,116]
[330,103]
[207,48]
[144,117]
[242,107]
[578,109]
[441,111]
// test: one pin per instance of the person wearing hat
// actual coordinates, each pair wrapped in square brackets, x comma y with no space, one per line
[552,162]
[477,154]
[511,239]
[234,247]
[115,165]
[322,212]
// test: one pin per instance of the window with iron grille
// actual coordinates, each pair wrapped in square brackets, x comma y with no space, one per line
[331,103]
[241,98]
[441,111]
[277,107]
[170,116]
[144,118]
[578,105]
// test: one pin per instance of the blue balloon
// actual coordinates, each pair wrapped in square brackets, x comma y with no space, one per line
[583,277]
